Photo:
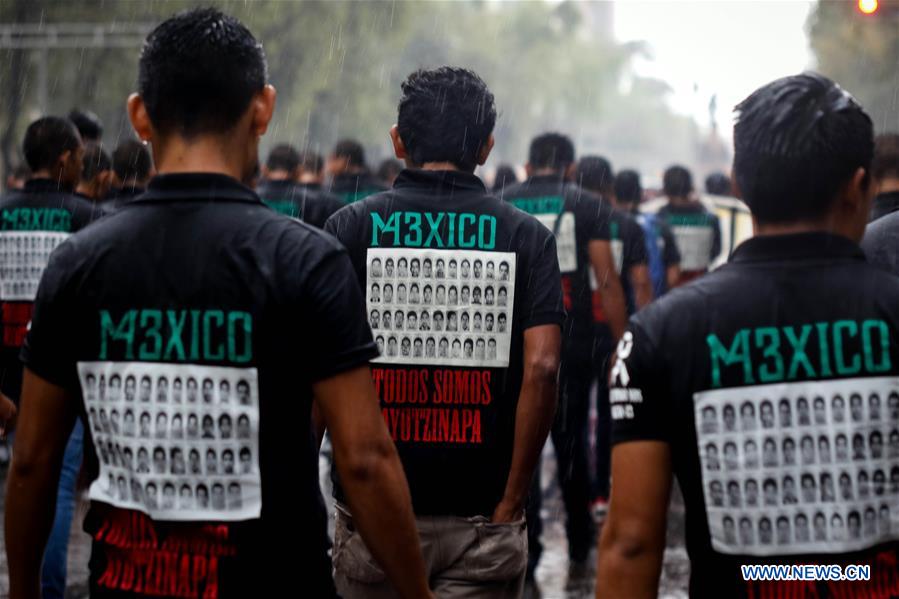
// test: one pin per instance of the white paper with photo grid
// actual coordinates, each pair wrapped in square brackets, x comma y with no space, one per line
[495,339]
[742,440]
[23,258]
[695,246]
[231,493]
[563,227]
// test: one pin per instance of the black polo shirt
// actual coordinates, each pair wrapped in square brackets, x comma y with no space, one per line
[120,195]
[884,204]
[576,217]
[191,325]
[881,242]
[628,250]
[775,381]
[454,277]
[355,187]
[33,221]
[307,202]
[698,235]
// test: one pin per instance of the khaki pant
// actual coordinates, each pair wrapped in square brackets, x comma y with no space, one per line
[466,558]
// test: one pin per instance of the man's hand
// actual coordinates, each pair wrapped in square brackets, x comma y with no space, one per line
[507,511]
[7,415]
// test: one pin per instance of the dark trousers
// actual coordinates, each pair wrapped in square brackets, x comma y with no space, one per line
[569,437]
[602,359]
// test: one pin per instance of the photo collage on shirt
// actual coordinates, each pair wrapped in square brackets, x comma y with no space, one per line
[441,307]
[563,228]
[695,245]
[800,467]
[23,258]
[177,441]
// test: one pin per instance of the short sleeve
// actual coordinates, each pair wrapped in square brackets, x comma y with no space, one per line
[638,396]
[49,348]
[599,216]
[542,287]
[336,323]
[636,245]
[671,255]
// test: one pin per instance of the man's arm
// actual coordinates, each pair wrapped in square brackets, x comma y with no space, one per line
[533,417]
[672,276]
[633,536]
[642,285]
[372,477]
[611,292]
[47,414]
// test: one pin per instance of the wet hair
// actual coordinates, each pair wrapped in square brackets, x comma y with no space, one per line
[446,114]
[96,160]
[198,72]
[311,162]
[505,176]
[48,138]
[627,187]
[88,124]
[677,182]
[595,174]
[131,159]
[718,184]
[886,156]
[797,141]
[551,150]
[389,169]
[352,151]
[283,157]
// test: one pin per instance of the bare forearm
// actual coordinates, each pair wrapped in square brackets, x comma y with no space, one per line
[614,305]
[672,274]
[627,570]
[379,499]
[30,507]
[642,285]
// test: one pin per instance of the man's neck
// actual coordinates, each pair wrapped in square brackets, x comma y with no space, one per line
[828,224]
[279,175]
[133,183]
[889,185]
[679,200]
[547,172]
[205,154]
[439,166]
[47,175]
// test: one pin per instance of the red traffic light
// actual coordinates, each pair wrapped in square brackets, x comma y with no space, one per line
[868,7]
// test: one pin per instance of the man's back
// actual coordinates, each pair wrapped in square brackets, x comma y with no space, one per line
[881,242]
[698,235]
[465,274]
[793,361]
[175,309]
[309,203]
[32,223]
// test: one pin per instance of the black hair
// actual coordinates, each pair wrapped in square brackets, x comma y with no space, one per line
[505,176]
[551,150]
[594,173]
[46,139]
[283,157]
[88,124]
[131,159]
[628,189]
[797,141]
[886,156]
[198,72]
[20,171]
[96,160]
[718,184]
[311,162]
[389,169]
[352,150]
[446,114]
[677,182]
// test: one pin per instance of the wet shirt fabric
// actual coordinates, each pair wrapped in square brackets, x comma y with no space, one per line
[33,221]
[453,278]
[628,251]
[191,325]
[698,235]
[884,204]
[352,188]
[119,196]
[775,382]
[309,203]
[881,243]
[576,217]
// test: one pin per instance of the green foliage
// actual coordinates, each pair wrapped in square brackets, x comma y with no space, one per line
[861,53]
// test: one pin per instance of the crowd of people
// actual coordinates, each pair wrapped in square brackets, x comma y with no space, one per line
[183,324]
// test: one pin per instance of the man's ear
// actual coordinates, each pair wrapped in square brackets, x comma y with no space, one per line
[399,148]
[140,120]
[734,187]
[528,170]
[858,192]
[486,149]
[263,109]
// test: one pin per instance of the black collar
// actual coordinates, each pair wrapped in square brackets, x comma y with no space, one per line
[439,181]
[45,186]
[197,186]
[797,246]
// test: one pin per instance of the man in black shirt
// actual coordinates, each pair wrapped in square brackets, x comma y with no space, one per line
[796,315]
[197,279]
[697,231]
[885,175]
[469,426]
[580,222]
[351,180]
[282,190]
[133,168]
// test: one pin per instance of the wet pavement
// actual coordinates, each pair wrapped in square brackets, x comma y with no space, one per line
[551,574]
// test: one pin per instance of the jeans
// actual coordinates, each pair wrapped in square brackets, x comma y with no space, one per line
[53,572]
